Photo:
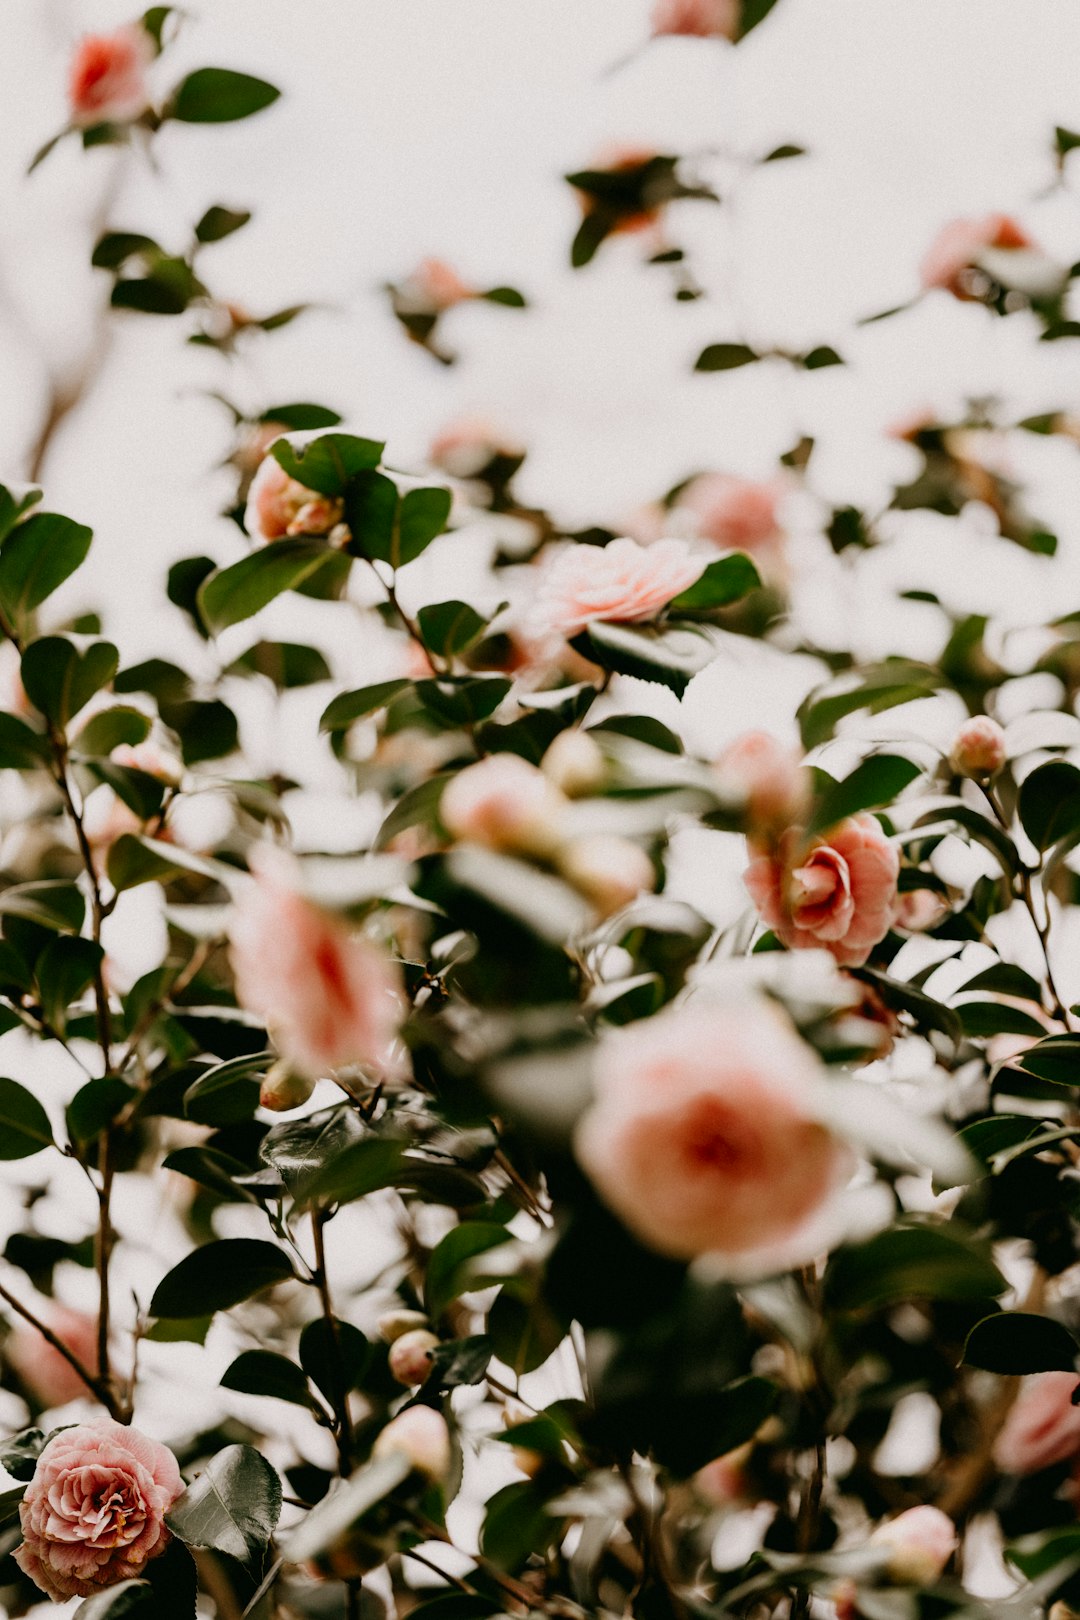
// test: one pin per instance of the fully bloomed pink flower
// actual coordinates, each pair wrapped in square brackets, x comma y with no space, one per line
[329,997]
[41,1367]
[736,513]
[107,78]
[958,246]
[836,892]
[621,582]
[1043,1426]
[707,1136]
[704,19]
[94,1513]
[279,506]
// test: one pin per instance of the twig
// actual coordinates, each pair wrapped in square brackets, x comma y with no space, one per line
[94,1384]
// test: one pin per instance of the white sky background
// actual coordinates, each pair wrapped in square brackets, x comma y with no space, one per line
[442,127]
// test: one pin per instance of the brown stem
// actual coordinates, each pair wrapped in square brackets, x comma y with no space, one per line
[95,1385]
[1041,927]
[342,1416]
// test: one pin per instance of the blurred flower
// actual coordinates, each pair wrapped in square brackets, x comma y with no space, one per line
[107,80]
[575,763]
[434,285]
[723,1480]
[421,1433]
[278,506]
[621,582]
[608,870]
[49,1377]
[958,246]
[411,1356]
[94,1512]
[281,1090]
[469,444]
[770,779]
[920,1541]
[919,909]
[504,803]
[705,19]
[1043,1425]
[736,513]
[978,748]
[837,891]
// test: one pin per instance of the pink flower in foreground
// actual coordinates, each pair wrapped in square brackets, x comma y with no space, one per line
[328,996]
[94,1513]
[107,78]
[279,506]
[836,892]
[504,803]
[735,513]
[769,777]
[979,747]
[622,582]
[958,246]
[704,19]
[704,1136]
[41,1367]
[1043,1426]
[920,1541]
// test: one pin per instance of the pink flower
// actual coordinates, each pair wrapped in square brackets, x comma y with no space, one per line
[735,513]
[920,1541]
[468,445]
[421,1433]
[94,1513]
[608,870]
[329,997]
[978,748]
[278,505]
[705,19]
[435,285]
[958,246]
[42,1369]
[723,1480]
[836,892]
[411,1356]
[1043,1426]
[622,582]
[769,778]
[107,79]
[704,1136]
[504,803]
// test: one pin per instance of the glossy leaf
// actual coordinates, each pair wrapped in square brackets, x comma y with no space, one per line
[219,1275]
[1020,1342]
[232,1507]
[24,1124]
[219,96]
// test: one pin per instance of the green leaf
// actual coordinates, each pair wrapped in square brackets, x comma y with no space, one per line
[463,700]
[288,664]
[115,248]
[219,96]
[874,783]
[508,296]
[1057,1058]
[880,687]
[1006,980]
[14,503]
[130,1597]
[217,1171]
[1049,803]
[141,791]
[725,357]
[65,969]
[449,628]
[335,1515]
[52,902]
[335,1357]
[24,1124]
[371,510]
[422,518]
[21,749]
[753,12]
[301,417]
[329,462]
[726,580]
[60,679]
[133,860]
[38,555]
[417,807]
[982,1019]
[229,1092]
[349,707]
[95,1105]
[517,1524]
[232,1507]
[363,1167]
[449,1265]
[785,151]
[817,359]
[263,1372]
[109,728]
[168,286]
[1020,1342]
[670,657]
[218,222]
[910,1262]
[231,594]
[219,1275]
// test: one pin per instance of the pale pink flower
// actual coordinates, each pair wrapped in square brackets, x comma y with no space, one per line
[734,513]
[836,892]
[919,909]
[1043,1426]
[723,1480]
[107,80]
[282,1091]
[575,763]
[436,285]
[978,748]
[421,1433]
[94,1512]
[466,446]
[504,803]
[329,997]
[704,19]
[608,870]
[621,582]
[40,1366]
[770,779]
[705,1137]
[920,1542]
[150,759]
[279,506]
[410,1356]
[958,246]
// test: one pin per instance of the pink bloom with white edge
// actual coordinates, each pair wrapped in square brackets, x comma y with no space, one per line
[736,513]
[107,80]
[504,803]
[421,1433]
[40,1366]
[621,582]
[704,1137]
[436,285]
[920,1541]
[1043,1425]
[279,507]
[769,777]
[958,245]
[329,997]
[94,1512]
[837,892]
[703,19]
[979,747]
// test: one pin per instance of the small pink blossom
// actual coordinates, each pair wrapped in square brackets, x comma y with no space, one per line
[47,1374]
[279,506]
[704,1136]
[978,748]
[957,247]
[621,582]
[466,446]
[608,870]
[1043,1426]
[734,513]
[107,80]
[329,997]
[504,803]
[436,285]
[704,19]
[94,1513]
[920,1542]
[836,892]
[421,1433]
[769,778]
[411,1356]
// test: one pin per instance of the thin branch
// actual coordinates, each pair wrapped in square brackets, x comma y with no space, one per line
[95,1385]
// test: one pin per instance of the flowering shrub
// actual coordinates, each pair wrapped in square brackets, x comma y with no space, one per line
[468,1219]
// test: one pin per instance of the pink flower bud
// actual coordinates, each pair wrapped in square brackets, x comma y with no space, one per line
[1043,1425]
[920,1541]
[282,1090]
[504,803]
[421,1433]
[609,871]
[770,779]
[837,892]
[436,285]
[466,446]
[734,513]
[704,19]
[107,78]
[978,748]
[278,506]
[956,249]
[575,763]
[394,1324]
[411,1356]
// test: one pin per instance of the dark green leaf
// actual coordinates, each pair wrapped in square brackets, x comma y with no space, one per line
[874,783]
[109,728]
[60,679]
[231,594]
[24,1124]
[910,1262]
[725,357]
[1057,1058]
[263,1372]
[329,462]
[335,1357]
[753,12]
[232,1507]
[219,96]
[817,359]
[449,1271]
[348,707]
[219,222]
[38,555]
[448,628]
[1049,803]
[517,1524]
[21,749]
[128,1598]
[229,1092]
[726,580]
[463,700]
[359,1169]
[219,1275]
[421,519]
[509,296]
[288,664]
[785,151]
[671,657]
[983,1019]
[1019,1342]
[52,902]
[95,1105]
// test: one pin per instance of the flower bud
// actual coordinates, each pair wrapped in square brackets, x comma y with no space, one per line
[395,1324]
[575,764]
[504,803]
[920,1543]
[608,870]
[411,1356]
[282,1090]
[421,1433]
[770,780]
[978,748]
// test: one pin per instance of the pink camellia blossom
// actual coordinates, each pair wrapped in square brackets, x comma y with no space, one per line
[1043,1426]
[504,803]
[703,19]
[279,506]
[836,892]
[920,1542]
[48,1375]
[978,748]
[412,1356]
[421,1433]
[94,1512]
[769,778]
[107,78]
[958,246]
[469,444]
[329,997]
[435,285]
[734,513]
[707,1136]
[608,870]
[621,582]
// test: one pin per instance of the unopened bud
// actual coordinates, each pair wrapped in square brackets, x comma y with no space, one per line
[920,1543]
[575,764]
[978,748]
[609,871]
[282,1090]
[421,1433]
[411,1356]
[505,803]
[394,1324]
